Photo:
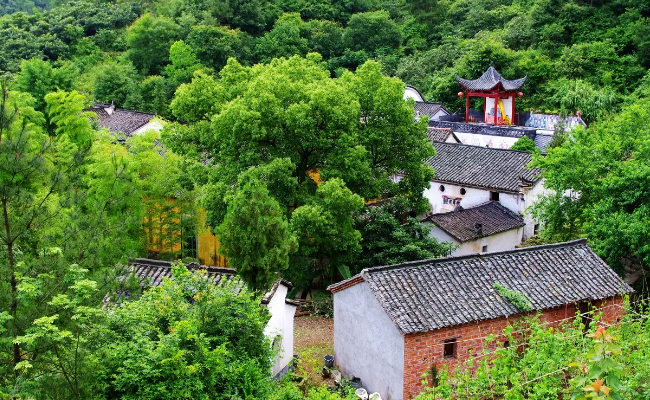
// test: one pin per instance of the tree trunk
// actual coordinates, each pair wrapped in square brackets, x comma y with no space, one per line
[13,309]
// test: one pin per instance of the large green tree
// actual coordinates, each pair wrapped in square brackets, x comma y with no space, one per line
[350,135]
[601,185]
[70,212]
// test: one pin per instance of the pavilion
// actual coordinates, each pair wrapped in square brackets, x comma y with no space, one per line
[498,94]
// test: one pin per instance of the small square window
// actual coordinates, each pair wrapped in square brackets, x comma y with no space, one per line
[450,348]
[494,196]
[484,250]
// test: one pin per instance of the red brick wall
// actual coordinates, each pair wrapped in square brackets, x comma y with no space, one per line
[422,350]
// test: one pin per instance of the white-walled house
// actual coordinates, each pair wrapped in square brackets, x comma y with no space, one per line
[279,328]
[473,175]
[484,228]
[423,108]
[125,122]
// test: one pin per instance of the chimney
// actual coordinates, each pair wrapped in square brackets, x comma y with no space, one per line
[478,229]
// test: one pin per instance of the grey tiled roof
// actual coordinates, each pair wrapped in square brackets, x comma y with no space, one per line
[120,121]
[432,294]
[542,141]
[429,109]
[462,224]
[490,80]
[474,166]
[439,134]
[152,272]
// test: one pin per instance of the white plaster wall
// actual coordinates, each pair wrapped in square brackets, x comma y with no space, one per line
[492,141]
[366,342]
[281,324]
[438,115]
[531,197]
[409,93]
[499,242]
[472,196]
[153,125]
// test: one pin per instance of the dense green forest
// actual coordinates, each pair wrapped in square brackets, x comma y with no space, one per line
[587,55]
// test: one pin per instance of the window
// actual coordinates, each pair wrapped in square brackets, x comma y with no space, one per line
[454,201]
[536,229]
[441,188]
[484,250]
[450,347]
[494,196]
[463,191]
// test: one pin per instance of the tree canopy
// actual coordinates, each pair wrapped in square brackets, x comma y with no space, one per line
[319,145]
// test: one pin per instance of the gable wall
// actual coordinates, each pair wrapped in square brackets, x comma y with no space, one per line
[501,241]
[366,342]
[492,141]
[422,350]
[281,324]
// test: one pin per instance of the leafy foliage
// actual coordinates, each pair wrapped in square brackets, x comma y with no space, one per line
[554,362]
[599,177]
[391,236]
[187,338]
[319,146]
[516,298]
[525,144]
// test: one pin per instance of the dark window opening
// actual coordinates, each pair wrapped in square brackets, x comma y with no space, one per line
[536,229]
[450,348]
[494,196]
[484,250]
[442,188]
[463,191]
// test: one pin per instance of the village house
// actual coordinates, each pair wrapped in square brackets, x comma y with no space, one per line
[432,111]
[201,243]
[279,329]
[394,323]
[487,227]
[125,123]
[467,176]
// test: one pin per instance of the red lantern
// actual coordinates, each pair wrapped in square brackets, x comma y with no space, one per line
[520,95]
[461,94]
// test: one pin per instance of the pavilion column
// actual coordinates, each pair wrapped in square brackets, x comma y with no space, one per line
[512,118]
[496,106]
[467,106]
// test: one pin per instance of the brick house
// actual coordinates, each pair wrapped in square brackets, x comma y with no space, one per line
[393,323]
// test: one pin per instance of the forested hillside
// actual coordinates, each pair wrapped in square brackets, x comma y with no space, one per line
[586,55]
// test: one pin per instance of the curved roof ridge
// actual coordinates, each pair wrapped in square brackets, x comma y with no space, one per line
[490,79]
